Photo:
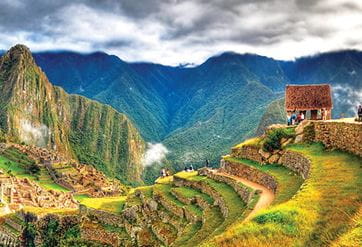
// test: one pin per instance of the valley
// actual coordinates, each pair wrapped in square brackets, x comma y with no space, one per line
[199,112]
[71,174]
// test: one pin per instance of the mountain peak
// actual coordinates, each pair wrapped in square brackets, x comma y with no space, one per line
[19,52]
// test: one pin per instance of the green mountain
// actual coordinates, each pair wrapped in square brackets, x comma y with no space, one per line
[35,112]
[199,112]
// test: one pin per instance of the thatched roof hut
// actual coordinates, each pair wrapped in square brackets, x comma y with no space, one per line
[312,98]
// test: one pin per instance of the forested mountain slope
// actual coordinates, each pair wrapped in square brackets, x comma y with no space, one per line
[188,109]
[35,112]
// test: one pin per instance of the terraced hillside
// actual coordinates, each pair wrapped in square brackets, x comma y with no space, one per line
[309,197]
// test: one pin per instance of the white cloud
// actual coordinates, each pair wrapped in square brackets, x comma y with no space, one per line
[155,154]
[174,32]
[32,134]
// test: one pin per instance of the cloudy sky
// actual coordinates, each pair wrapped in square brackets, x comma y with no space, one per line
[183,31]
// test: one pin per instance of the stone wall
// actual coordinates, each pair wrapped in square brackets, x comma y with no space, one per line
[296,162]
[102,216]
[249,152]
[203,187]
[340,135]
[245,193]
[250,173]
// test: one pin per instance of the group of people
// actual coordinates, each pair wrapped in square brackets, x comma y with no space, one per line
[165,172]
[359,113]
[294,118]
[189,168]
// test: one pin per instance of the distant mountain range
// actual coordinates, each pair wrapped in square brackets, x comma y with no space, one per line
[200,112]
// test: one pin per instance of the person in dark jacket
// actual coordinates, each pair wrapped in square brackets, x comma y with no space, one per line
[359,112]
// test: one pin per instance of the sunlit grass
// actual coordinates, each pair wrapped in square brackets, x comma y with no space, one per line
[250,142]
[111,204]
[44,211]
[191,193]
[288,181]
[236,206]
[320,213]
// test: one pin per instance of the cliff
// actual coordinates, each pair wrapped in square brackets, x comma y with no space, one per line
[33,111]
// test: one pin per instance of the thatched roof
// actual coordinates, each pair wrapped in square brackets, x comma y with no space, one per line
[308,97]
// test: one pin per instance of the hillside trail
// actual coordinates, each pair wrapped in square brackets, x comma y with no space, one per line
[266,195]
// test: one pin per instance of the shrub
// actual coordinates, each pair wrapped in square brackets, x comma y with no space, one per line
[273,139]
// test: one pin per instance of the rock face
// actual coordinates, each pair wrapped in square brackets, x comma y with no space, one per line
[35,112]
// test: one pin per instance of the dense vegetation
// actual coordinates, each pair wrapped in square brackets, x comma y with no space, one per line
[39,114]
[200,112]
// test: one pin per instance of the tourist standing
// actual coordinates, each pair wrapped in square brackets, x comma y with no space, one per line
[289,119]
[302,117]
[207,163]
[294,118]
[359,112]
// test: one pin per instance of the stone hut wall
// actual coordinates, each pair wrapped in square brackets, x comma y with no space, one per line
[252,174]
[340,135]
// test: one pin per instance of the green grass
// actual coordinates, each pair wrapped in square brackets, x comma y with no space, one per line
[318,215]
[213,219]
[189,231]
[232,200]
[18,170]
[165,191]
[110,204]
[15,168]
[250,142]
[288,182]
[191,193]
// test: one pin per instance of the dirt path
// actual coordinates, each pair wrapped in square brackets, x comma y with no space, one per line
[266,196]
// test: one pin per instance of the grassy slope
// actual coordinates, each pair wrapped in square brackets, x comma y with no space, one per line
[111,204]
[18,170]
[235,205]
[288,182]
[317,215]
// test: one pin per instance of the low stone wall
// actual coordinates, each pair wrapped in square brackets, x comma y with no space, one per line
[8,240]
[198,200]
[169,205]
[247,152]
[340,135]
[250,173]
[245,193]
[218,200]
[102,216]
[100,235]
[296,162]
